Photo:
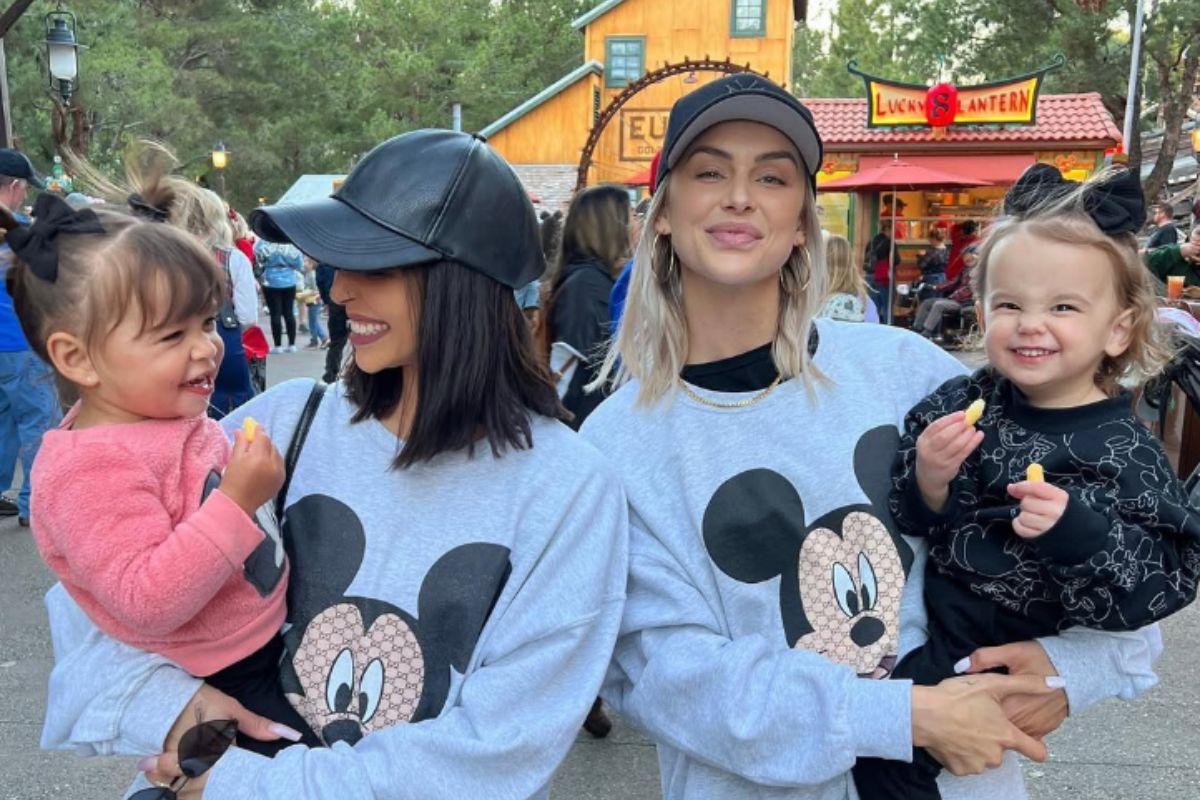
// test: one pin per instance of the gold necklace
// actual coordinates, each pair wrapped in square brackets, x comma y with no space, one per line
[749,401]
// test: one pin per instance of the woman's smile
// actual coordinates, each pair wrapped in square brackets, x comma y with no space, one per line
[365,331]
[738,236]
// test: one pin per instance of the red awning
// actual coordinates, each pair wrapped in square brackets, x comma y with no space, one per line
[640,179]
[997,168]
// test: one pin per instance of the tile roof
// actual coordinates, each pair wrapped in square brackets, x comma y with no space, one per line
[1062,119]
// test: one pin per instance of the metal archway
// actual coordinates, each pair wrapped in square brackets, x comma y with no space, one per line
[627,94]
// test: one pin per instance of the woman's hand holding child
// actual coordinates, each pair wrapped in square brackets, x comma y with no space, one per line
[941,450]
[255,471]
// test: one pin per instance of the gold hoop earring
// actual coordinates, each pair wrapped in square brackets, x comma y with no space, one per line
[807,278]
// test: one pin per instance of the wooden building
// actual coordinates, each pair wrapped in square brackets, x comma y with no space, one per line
[623,40]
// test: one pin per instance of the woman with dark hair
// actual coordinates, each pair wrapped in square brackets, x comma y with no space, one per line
[458,556]
[595,245]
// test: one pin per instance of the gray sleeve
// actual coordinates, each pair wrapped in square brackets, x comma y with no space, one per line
[105,697]
[1098,665]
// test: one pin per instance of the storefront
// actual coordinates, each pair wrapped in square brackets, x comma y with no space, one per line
[998,130]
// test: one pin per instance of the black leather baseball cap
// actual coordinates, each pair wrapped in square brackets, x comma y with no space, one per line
[746,97]
[421,196]
[15,164]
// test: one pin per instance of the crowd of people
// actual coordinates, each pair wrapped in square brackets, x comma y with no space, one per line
[656,454]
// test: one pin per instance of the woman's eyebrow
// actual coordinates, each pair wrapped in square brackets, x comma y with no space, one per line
[777,155]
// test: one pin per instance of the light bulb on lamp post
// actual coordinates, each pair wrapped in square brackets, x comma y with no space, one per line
[62,53]
[220,160]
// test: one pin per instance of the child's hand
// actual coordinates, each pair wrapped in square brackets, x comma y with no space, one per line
[255,471]
[941,450]
[1042,505]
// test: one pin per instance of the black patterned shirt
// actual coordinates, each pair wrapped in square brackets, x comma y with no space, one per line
[1126,551]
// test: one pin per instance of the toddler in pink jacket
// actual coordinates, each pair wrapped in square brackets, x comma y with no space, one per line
[140,505]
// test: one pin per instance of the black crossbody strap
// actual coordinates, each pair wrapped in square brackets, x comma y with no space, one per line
[297,443]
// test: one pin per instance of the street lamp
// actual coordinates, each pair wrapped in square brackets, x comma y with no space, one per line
[220,160]
[62,53]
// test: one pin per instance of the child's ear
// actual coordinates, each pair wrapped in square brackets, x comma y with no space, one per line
[1120,335]
[70,358]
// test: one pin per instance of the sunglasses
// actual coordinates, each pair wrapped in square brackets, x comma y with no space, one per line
[199,749]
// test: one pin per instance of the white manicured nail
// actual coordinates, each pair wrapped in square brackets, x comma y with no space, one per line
[962,666]
[1056,682]
[281,730]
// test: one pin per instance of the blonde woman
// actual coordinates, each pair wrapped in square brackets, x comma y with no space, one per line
[848,300]
[768,582]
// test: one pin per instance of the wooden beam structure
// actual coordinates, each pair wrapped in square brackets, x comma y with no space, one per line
[7,20]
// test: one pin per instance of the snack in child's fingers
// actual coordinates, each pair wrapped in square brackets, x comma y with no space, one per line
[975,411]
[250,428]
[1034,472]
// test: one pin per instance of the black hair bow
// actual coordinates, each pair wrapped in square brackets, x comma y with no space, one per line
[37,244]
[1115,204]
[143,209]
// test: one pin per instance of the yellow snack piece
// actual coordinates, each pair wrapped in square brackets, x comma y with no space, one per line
[1034,472]
[250,428]
[975,411]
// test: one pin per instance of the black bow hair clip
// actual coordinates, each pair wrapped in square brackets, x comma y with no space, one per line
[37,244]
[1116,204]
[141,208]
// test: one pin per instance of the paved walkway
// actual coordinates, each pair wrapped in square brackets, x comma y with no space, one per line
[1147,750]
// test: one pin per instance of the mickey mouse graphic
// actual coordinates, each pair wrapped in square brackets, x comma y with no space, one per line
[358,664]
[841,576]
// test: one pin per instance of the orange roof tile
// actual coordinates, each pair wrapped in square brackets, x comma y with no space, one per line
[1062,119]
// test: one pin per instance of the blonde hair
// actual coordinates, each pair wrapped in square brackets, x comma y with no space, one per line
[238,224]
[201,212]
[1065,220]
[844,275]
[652,342]
[148,166]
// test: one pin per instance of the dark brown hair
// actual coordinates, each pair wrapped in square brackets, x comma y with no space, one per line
[159,272]
[596,228]
[477,376]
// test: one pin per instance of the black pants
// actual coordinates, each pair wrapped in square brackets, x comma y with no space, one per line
[254,682]
[338,331]
[281,303]
[960,622]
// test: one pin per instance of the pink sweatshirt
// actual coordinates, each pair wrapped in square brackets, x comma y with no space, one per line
[117,515]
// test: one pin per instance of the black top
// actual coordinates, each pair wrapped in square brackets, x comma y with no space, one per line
[1125,552]
[1163,235]
[751,371]
[579,318]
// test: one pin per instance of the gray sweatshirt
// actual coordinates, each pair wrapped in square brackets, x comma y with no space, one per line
[767,581]
[448,624]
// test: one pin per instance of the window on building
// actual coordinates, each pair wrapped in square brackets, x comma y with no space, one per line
[749,18]
[625,60]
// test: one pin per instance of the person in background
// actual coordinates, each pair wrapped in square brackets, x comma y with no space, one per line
[28,400]
[934,260]
[1164,232]
[339,328]
[931,313]
[243,239]
[529,300]
[848,300]
[595,244]
[282,269]
[1177,259]
[962,236]
[311,297]
[899,226]
[879,284]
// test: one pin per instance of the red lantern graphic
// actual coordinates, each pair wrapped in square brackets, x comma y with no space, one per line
[941,105]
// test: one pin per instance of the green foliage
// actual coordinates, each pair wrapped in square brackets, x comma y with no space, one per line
[289,86]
